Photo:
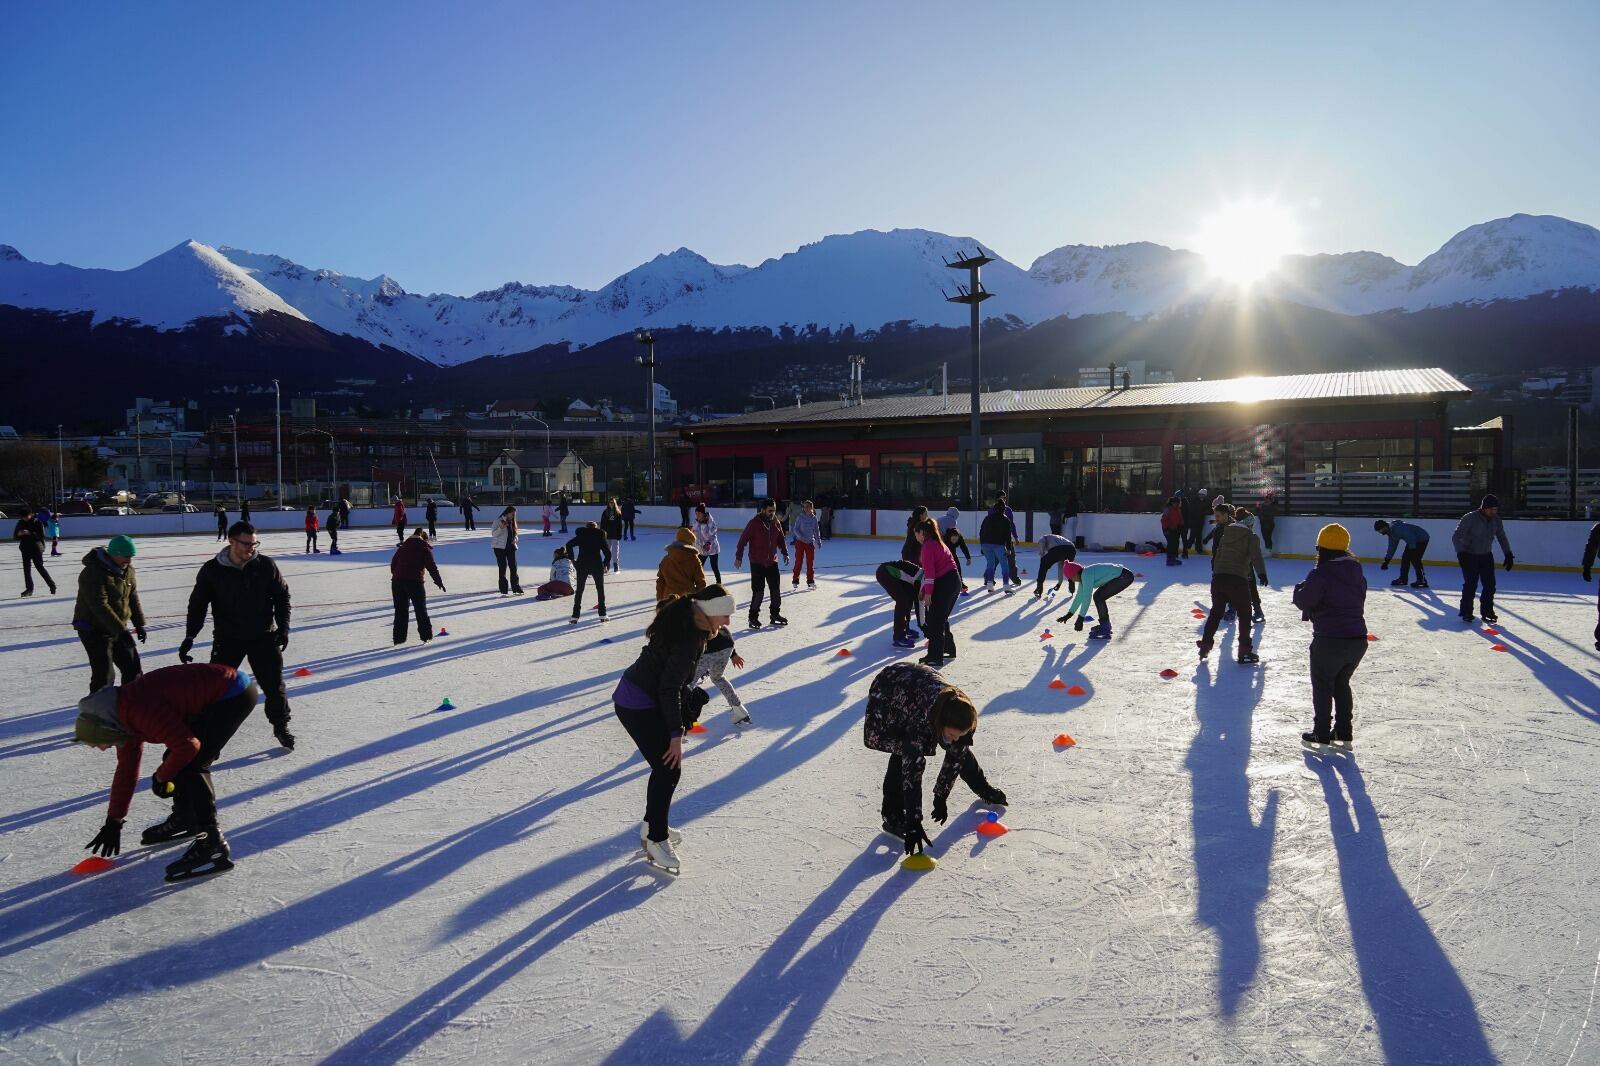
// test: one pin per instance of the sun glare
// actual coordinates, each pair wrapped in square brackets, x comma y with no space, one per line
[1244,242]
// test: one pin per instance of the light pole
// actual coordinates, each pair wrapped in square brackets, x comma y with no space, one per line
[333,459]
[546,425]
[648,361]
[238,486]
[972,294]
[61,467]
[277,433]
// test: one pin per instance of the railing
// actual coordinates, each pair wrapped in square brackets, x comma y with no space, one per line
[1546,490]
[1371,492]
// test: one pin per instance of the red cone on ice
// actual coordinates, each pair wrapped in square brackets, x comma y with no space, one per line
[443,632]
[302,672]
[1372,636]
[1076,690]
[1062,740]
[1058,683]
[841,653]
[1499,647]
[991,826]
[1047,635]
[697,728]
[1491,631]
[92,865]
[1169,672]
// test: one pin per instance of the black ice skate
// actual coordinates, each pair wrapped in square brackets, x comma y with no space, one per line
[174,828]
[1314,743]
[207,855]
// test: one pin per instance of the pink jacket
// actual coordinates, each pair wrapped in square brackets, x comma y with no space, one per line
[936,562]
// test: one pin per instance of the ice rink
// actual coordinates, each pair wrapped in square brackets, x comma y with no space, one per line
[1185,885]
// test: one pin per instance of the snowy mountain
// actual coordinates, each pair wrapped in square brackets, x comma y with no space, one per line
[863,279]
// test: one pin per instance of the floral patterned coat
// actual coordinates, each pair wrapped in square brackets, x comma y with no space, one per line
[899,721]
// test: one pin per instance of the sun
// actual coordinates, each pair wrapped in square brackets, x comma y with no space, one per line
[1244,242]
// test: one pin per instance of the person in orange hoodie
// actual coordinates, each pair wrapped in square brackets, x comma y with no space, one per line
[680,571]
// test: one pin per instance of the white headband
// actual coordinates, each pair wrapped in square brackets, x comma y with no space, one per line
[722,604]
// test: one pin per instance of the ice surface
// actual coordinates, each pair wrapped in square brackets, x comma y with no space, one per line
[1183,885]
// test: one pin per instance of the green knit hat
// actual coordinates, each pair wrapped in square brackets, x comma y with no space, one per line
[121,546]
[97,719]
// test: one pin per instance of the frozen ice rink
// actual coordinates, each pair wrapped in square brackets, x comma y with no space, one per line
[1185,885]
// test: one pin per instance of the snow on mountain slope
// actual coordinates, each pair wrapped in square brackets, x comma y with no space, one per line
[1136,279]
[187,282]
[1506,259]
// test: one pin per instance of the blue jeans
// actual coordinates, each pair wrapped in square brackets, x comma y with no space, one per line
[1476,569]
[994,555]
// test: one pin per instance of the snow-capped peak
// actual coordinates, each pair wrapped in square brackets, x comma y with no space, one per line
[9,254]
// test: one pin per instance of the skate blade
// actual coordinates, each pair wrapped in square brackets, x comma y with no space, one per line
[166,840]
[218,867]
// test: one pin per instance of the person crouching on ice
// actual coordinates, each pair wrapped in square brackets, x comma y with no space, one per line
[561,577]
[912,712]
[1100,581]
[193,710]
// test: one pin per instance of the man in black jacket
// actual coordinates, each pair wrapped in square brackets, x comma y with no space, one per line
[249,603]
[591,555]
[29,535]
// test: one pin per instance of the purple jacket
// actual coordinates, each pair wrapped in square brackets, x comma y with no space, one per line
[1333,595]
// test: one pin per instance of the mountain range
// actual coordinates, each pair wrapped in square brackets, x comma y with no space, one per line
[859,281]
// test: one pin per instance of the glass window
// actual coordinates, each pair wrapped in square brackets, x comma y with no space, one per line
[1381,455]
[1124,478]
[944,474]
[902,476]
[719,479]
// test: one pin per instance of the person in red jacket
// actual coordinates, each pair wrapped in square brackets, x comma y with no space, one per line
[192,710]
[764,536]
[312,525]
[410,561]
[398,520]
[1172,529]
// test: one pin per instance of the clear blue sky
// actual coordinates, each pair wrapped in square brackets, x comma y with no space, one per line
[456,146]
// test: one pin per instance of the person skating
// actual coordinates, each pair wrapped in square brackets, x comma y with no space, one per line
[957,544]
[825,517]
[398,519]
[29,535]
[764,537]
[903,582]
[941,584]
[611,526]
[1069,515]
[1013,573]
[562,578]
[630,514]
[244,510]
[1415,539]
[1194,511]
[590,557]
[706,541]
[430,514]
[807,534]
[1333,597]
[221,515]
[1172,529]
[1268,512]
[312,526]
[911,548]
[107,604]
[912,712]
[193,711]
[547,514]
[410,561]
[680,572]
[332,526]
[683,511]
[563,509]
[250,613]
[994,541]
[791,513]
[650,701]
[1097,583]
[344,513]
[1237,560]
[1474,543]
[1589,551]
[1054,550]
[52,529]
[713,667]
[469,507]
[503,542]
[1248,521]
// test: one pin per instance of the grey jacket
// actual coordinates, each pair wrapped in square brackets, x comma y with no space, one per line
[1475,535]
[805,529]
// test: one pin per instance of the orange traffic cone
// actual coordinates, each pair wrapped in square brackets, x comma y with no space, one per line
[1499,647]
[1047,635]
[1169,672]
[991,827]
[697,728]
[302,672]
[1076,690]
[841,653]
[1058,683]
[1491,631]
[92,865]
[1372,636]
[1062,740]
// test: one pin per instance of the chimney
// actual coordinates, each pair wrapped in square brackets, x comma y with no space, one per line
[1111,381]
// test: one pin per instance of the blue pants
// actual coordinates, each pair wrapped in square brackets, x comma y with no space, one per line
[1475,569]
[994,555]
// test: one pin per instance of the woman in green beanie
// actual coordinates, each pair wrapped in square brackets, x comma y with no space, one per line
[108,601]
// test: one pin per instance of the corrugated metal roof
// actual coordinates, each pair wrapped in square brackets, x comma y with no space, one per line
[1351,385]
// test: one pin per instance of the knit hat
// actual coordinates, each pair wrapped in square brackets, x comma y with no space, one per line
[1334,537]
[97,719]
[1072,570]
[684,535]
[715,605]
[121,546]
[1489,500]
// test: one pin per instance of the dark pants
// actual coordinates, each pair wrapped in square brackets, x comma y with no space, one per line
[505,560]
[222,529]
[764,576]
[627,529]
[1476,569]
[584,575]
[902,594]
[466,520]
[1011,561]
[409,595]
[1194,535]
[433,529]
[563,521]
[650,735]
[1266,530]
[1053,557]
[716,567]
[1174,543]
[1108,590]
[32,561]
[311,539]
[1333,660]
[333,538]
[1597,623]
[104,651]
[1413,557]
[941,642]
[894,784]
[193,796]
[266,667]
[400,532]
[1229,590]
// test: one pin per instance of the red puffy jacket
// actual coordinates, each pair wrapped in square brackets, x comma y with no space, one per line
[1172,517]
[160,708]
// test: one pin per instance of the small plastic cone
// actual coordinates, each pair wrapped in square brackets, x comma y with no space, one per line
[302,672]
[1058,683]
[1372,636]
[920,861]
[1076,690]
[1491,631]
[697,728]
[1063,741]
[1169,672]
[841,653]
[443,632]
[92,865]
[1499,647]
[992,829]
[1140,575]
[1047,635]
[446,705]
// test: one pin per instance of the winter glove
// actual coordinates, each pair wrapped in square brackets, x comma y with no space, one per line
[139,632]
[108,841]
[941,812]
[1385,566]
[993,796]
[163,789]
[1588,575]
[1077,626]
[283,639]
[916,839]
[184,649]
[1509,560]
[1263,580]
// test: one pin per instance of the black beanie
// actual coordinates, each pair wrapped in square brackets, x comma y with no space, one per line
[1489,500]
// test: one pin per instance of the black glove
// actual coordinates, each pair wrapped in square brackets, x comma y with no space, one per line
[283,639]
[441,586]
[941,812]
[108,841]
[139,632]
[916,839]
[993,796]
[163,789]
[1263,580]
[184,649]
[1588,576]
[1078,625]
[1385,566]
[1509,560]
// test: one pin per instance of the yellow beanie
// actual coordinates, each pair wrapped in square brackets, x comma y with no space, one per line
[1334,537]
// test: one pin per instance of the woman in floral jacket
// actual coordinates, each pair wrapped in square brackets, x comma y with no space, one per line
[912,712]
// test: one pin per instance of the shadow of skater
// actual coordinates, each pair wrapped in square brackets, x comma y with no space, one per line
[1424,1011]
[1231,853]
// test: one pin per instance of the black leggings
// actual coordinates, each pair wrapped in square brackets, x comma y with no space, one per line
[716,567]
[1054,557]
[941,642]
[32,561]
[1108,590]
[1333,706]
[651,737]
[599,577]
[104,651]
[193,793]
[408,596]
[506,559]
[894,784]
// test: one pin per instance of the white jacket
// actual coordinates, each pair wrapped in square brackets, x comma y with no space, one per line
[504,534]
[705,536]
[561,570]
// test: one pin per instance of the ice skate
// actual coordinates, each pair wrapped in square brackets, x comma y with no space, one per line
[1398,582]
[1100,632]
[1205,648]
[1319,745]
[753,622]
[1258,616]
[661,855]
[779,620]
[207,855]
[1420,583]
[280,732]
[1492,618]
[894,827]
[1248,658]
[673,836]
[174,828]
[739,715]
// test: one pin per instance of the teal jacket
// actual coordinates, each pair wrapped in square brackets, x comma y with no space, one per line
[1093,577]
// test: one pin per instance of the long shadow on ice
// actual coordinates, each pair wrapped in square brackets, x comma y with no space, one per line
[1423,1009]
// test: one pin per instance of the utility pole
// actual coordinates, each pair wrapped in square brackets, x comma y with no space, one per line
[61,464]
[546,426]
[277,432]
[238,486]
[972,294]
[648,361]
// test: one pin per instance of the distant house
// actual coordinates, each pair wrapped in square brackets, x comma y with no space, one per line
[520,408]
[524,471]
[582,412]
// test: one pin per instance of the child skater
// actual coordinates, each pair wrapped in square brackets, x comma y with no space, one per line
[547,514]
[312,525]
[901,581]
[1100,581]
[561,577]
[714,661]
[954,540]
[912,712]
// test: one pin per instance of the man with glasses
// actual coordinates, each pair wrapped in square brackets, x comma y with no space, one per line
[249,603]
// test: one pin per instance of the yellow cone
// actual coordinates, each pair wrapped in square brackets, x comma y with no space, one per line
[920,861]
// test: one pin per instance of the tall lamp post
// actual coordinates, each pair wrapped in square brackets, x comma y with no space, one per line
[546,425]
[333,459]
[972,294]
[61,467]
[648,361]
[238,486]
[277,433]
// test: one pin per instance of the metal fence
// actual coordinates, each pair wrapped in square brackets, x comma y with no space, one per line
[1374,492]
[1547,490]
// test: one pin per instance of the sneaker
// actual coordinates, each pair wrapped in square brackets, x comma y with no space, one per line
[779,620]
[207,855]
[1249,658]
[1420,583]
[662,855]
[175,827]
[1205,647]
[673,836]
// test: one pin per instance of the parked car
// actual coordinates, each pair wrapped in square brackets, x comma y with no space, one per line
[422,501]
[179,508]
[75,507]
[114,511]
[157,499]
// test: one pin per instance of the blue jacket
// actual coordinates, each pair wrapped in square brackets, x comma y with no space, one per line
[1414,536]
